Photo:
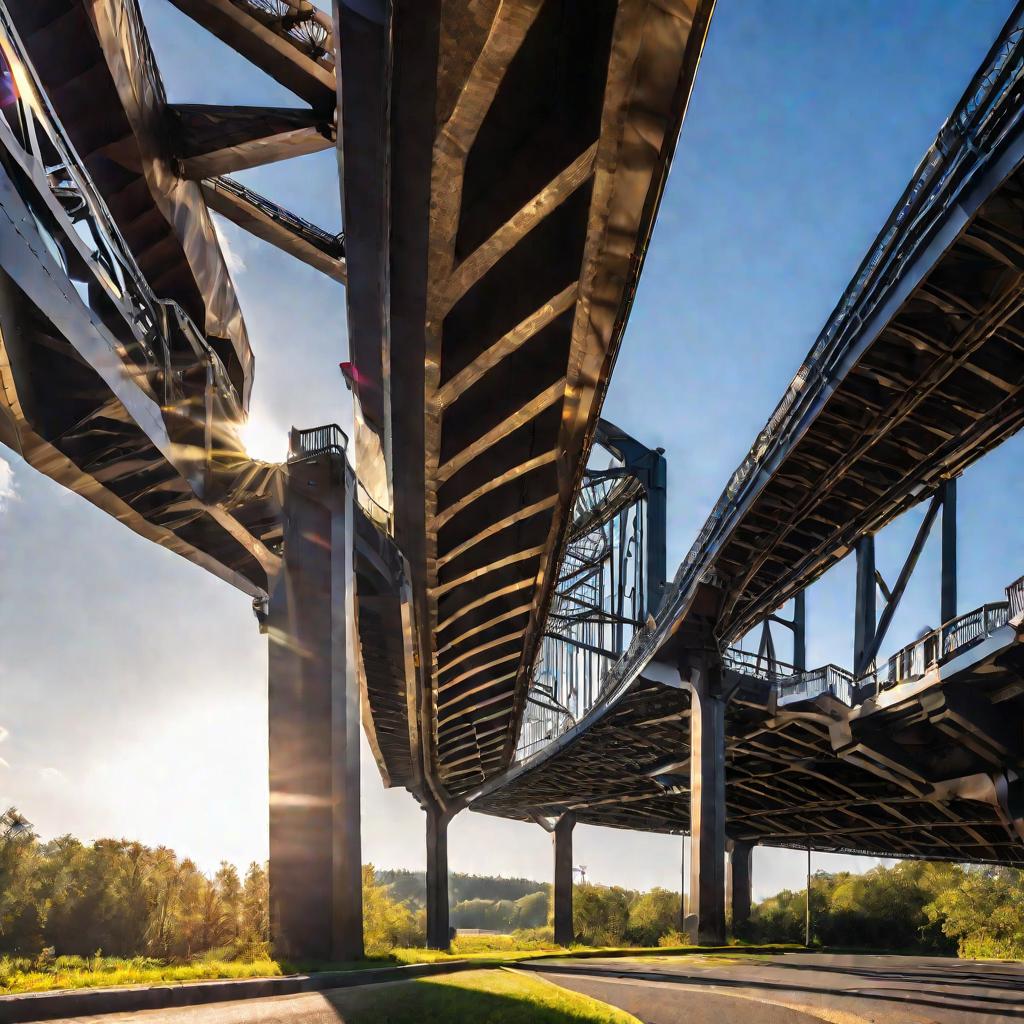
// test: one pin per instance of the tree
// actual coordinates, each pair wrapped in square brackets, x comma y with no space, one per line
[256,904]
[651,915]
[984,913]
[600,914]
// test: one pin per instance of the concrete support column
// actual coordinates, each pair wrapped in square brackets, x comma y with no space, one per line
[438,927]
[561,839]
[707,798]
[741,857]
[316,907]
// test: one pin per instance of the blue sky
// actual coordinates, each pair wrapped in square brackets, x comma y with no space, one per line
[133,685]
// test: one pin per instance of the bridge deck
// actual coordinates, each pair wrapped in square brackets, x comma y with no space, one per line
[905,773]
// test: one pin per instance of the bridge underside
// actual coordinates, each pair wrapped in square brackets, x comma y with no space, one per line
[918,772]
[528,143]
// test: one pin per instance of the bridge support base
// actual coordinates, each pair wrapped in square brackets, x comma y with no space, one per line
[740,884]
[438,927]
[707,798]
[313,695]
[561,839]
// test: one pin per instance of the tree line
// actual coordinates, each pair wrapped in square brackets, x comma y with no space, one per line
[127,899]
[123,898]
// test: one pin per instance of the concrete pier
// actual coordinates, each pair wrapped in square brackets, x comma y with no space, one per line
[740,883]
[561,840]
[707,797]
[438,927]
[315,862]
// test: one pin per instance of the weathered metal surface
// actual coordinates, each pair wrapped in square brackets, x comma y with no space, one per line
[915,772]
[291,40]
[106,388]
[265,219]
[111,102]
[525,145]
[214,140]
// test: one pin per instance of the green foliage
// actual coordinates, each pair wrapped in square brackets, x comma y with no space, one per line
[124,898]
[652,915]
[40,974]
[386,922]
[529,911]
[411,887]
[984,913]
[600,914]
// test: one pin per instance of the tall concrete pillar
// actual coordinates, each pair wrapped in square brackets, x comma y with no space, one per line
[438,927]
[707,798]
[561,839]
[740,884]
[313,695]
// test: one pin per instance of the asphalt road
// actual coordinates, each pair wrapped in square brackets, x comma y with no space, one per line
[797,988]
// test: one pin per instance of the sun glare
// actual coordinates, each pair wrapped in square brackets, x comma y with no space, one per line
[263,438]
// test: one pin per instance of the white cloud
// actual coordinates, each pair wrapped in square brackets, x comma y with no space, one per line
[52,775]
[7,490]
[232,257]
[4,763]
[4,733]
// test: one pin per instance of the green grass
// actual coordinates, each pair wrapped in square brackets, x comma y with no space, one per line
[484,997]
[487,951]
[106,972]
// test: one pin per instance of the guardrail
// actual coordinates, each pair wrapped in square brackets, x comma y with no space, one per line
[306,444]
[1015,597]
[331,439]
[955,636]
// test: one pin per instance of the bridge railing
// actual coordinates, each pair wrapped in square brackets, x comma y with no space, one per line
[331,439]
[168,351]
[1015,598]
[954,637]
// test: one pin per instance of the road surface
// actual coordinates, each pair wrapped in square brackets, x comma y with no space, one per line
[810,987]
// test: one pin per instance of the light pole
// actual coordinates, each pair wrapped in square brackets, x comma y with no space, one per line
[807,908]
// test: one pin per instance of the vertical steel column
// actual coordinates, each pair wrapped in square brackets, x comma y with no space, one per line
[313,702]
[741,877]
[438,927]
[707,799]
[656,529]
[561,839]
[949,546]
[800,631]
[865,617]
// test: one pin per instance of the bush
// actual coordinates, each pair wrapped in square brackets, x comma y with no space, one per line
[600,914]
[652,915]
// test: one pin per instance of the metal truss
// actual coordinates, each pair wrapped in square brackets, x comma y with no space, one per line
[610,579]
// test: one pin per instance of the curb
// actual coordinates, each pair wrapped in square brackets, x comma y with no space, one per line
[31,1006]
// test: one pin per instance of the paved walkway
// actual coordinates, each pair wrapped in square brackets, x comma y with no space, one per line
[798,988]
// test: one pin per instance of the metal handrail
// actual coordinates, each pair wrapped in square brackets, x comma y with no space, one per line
[306,444]
[320,239]
[1015,598]
[914,660]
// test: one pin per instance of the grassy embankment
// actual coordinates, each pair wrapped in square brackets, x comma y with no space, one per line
[484,995]
[68,972]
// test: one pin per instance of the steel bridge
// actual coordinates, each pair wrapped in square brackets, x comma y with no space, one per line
[485,590]
[917,374]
